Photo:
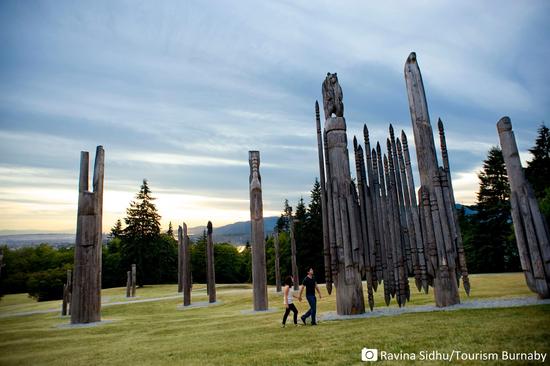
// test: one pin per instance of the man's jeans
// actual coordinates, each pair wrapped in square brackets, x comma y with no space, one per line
[312,300]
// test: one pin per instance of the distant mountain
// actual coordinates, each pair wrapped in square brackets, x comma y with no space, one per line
[237,233]
[468,210]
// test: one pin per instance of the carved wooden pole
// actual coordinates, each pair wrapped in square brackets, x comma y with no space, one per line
[1,261]
[210,270]
[365,215]
[455,225]
[445,281]
[380,215]
[134,280]
[65,308]
[334,256]
[86,300]
[324,208]
[185,266]
[532,234]
[292,221]
[417,232]
[259,276]
[375,254]
[395,231]
[277,261]
[403,229]
[180,259]
[349,290]
[128,283]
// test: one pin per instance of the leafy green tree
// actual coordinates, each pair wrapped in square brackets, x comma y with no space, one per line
[26,270]
[227,262]
[198,259]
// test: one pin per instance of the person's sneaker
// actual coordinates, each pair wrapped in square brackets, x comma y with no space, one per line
[303,320]
[313,323]
[282,325]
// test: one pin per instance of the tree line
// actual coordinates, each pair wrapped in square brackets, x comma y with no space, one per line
[486,227]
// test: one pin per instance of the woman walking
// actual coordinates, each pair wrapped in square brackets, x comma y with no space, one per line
[288,301]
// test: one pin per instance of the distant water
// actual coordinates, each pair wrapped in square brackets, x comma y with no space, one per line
[25,240]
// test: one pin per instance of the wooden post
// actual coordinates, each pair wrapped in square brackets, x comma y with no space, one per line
[380,217]
[417,232]
[349,290]
[365,215]
[86,299]
[180,259]
[532,234]
[403,228]
[1,261]
[455,225]
[334,255]
[411,234]
[375,254]
[277,261]
[259,275]
[128,283]
[445,281]
[186,267]
[292,221]
[65,308]
[324,208]
[210,270]
[134,280]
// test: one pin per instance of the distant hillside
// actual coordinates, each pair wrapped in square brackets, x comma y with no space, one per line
[25,240]
[468,210]
[237,233]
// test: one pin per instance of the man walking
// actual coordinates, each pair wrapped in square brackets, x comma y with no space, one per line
[310,285]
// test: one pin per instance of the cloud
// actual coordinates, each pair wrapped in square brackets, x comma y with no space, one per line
[178,92]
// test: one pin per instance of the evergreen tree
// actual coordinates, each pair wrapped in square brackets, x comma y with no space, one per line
[538,169]
[491,247]
[116,231]
[302,238]
[314,234]
[170,231]
[141,237]
[494,191]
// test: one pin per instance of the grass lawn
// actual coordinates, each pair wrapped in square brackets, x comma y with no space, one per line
[157,333]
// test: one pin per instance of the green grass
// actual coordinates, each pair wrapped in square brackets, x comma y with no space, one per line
[156,333]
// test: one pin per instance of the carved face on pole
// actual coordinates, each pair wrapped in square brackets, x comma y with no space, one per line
[255,186]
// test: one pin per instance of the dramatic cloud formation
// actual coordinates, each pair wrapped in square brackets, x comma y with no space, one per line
[178,92]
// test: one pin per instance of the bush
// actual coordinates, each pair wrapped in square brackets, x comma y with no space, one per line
[47,285]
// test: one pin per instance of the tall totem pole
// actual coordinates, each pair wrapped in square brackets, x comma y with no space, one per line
[259,276]
[344,231]
[86,296]
[532,234]
[436,198]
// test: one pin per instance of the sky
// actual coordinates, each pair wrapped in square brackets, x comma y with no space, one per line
[178,92]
